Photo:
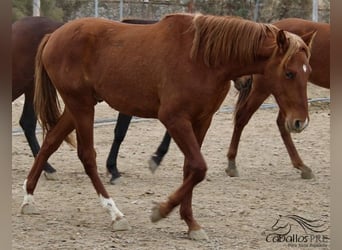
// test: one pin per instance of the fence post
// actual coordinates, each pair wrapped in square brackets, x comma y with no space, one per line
[315,10]
[36,7]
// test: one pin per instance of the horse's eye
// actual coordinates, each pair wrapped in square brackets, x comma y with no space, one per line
[289,75]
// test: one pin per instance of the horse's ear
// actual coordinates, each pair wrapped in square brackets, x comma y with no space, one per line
[282,41]
[309,37]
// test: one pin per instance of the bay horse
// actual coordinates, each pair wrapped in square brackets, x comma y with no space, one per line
[251,96]
[176,70]
[26,36]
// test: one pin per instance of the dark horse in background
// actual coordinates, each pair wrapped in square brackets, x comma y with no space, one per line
[185,63]
[26,36]
[251,96]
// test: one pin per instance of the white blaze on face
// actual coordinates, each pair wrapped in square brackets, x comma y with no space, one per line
[304,68]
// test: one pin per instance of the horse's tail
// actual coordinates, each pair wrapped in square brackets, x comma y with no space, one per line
[46,102]
[244,86]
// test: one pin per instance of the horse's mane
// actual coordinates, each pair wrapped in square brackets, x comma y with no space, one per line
[225,37]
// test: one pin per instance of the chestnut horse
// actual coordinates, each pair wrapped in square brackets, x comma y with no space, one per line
[176,70]
[26,36]
[251,96]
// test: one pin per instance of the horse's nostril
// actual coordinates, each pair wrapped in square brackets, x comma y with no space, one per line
[297,124]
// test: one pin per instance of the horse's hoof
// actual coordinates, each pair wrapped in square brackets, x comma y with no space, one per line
[152,165]
[307,174]
[115,181]
[28,208]
[155,215]
[121,225]
[198,235]
[51,176]
[232,172]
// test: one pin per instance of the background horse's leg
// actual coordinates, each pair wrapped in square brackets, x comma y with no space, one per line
[51,143]
[28,122]
[84,120]
[243,114]
[297,162]
[120,131]
[182,132]
[158,156]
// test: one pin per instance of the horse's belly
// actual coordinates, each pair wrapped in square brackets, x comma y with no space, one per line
[130,99]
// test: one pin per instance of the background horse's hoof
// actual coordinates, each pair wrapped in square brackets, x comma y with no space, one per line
[232,172]
[152,165]
[115,181]
[198,235]
[121,225]
[307,174]
[28,208]
[51,176]
[155,215]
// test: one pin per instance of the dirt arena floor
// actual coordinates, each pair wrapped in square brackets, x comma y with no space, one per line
[236,213]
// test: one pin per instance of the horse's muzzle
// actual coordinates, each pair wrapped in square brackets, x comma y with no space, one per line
[296,125]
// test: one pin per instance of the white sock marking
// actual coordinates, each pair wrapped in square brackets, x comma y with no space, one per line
[109,204]
[28,198]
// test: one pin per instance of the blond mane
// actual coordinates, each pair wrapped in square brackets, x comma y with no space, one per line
[223,38]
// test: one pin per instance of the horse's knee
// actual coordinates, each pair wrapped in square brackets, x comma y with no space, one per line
[28,124]
[199,173]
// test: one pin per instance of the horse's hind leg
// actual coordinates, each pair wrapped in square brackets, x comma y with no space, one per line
[28,122]
[52,141]
[84,119]
[306,172]
[120,131]
[158,156]
[242,116]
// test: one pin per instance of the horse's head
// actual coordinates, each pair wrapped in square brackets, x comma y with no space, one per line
[286,74]
[282,58]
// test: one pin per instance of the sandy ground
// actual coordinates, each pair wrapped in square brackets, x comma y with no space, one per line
[236,213]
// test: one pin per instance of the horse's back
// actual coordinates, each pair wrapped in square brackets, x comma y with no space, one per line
[320,56]
[26,36]
[98,56]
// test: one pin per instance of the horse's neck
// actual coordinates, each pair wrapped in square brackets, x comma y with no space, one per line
[258,66]
[237,70]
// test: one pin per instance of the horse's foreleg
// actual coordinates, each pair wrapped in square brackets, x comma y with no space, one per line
[120,131]
[52,141]
[28,122]
[158,156]
[194,172]
[84,119]
[243,114]
[195,230]
[297,162]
